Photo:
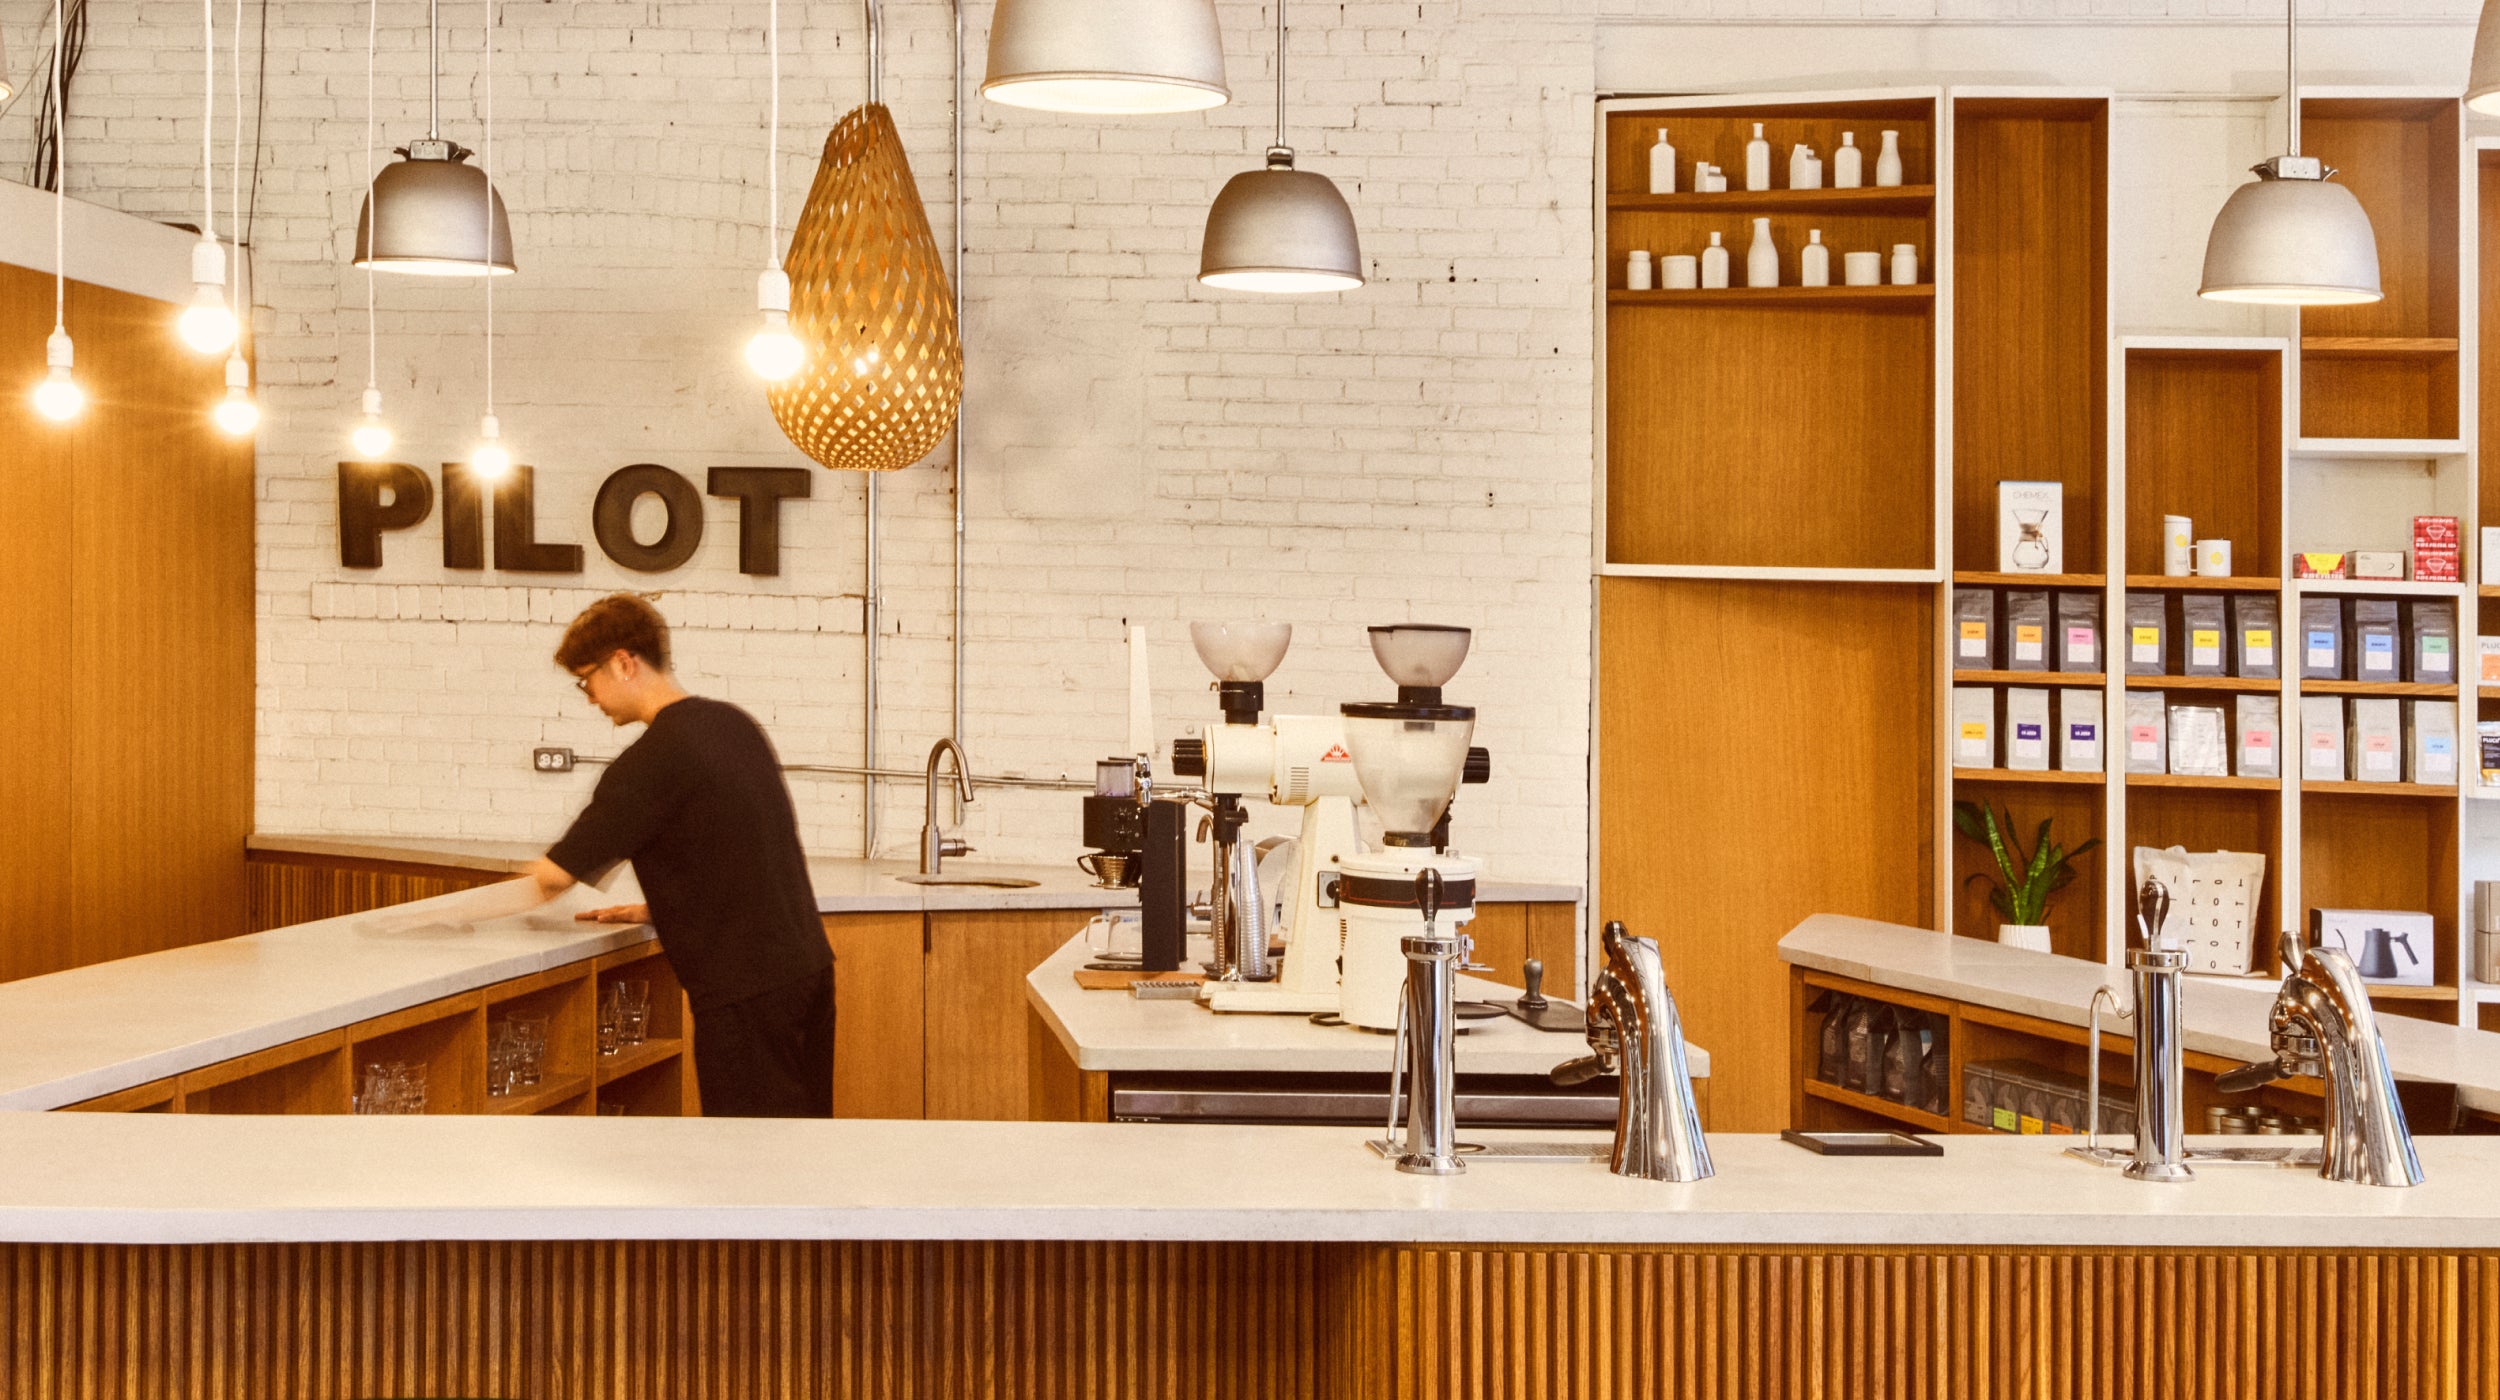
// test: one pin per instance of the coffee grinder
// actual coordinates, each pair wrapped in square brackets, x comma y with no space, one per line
[1140,842]
[1293,761]
[1242,656]
[1410,755]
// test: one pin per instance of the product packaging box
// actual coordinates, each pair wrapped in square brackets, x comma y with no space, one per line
[2078,631]
[2148,622]
[2431,641]
[2200,648]
[2387,564]
[1974,726]
[2026,631]
[2147,742]
[2321,738]
[2200,741]
[2079,730]
[2027,729]
[2391,947]
[2374,741]
[2031,527]
[2487,755]
[2261,736]
[2487,659]
[2491,549]
[2431,742]
[2321,566]
[2256,624]
[2373,643]
[1974,629]
[2321,639]
[2438,548]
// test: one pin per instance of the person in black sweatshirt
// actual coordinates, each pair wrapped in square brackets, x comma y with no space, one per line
[698,804]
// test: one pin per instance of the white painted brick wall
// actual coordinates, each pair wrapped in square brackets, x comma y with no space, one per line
[1142,449]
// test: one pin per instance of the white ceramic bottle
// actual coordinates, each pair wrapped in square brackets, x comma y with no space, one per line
[1847,173]
[1814,170]
[1714,264]
[1888,163]
[1905,264]
[1757,161]
[1804,171]
[1814,261]
[1662,165]
[1636,271]
[1762,261]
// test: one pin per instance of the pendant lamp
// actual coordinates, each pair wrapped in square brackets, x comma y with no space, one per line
[1112,58]
[2482,80]
[869,300]
[1280,229]
[58,395]
[207,324]
[2294,238]
[421,212]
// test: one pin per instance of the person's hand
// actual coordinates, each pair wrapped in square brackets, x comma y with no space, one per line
[617,914]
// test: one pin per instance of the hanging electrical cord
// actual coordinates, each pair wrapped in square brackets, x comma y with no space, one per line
[207,324]
[491,460]
[238,414]
[58,397]
[773,352]
[69,45]
[371,436]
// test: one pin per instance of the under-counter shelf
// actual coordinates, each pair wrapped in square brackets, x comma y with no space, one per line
[635,1058]
[1868,1103]
[543,1096]
[1915,297]
[1865,199]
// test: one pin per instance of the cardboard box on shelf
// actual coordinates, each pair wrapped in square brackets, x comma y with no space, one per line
[2031,527]
[2487,755]
[2319,565]
[2383,564]
[2438,548]
[2388,947]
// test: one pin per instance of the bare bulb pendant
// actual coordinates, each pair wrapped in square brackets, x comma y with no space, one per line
[869,300]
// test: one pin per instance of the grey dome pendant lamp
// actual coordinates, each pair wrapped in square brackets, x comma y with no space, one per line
[2294,237]
[420,213]
[1279,229]
[2482,80]
[1110,58]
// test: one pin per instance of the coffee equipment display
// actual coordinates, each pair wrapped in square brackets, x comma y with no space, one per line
[1427,1044]
[1140,840]
[1242,656]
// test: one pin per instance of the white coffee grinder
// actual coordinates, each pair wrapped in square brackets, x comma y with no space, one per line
[1410,756]
[1242,656]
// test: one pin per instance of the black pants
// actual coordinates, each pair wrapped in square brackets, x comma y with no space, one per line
[770,1055]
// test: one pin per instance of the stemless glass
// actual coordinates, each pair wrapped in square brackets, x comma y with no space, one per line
[634,1006]
[501,1050]
[611,1020]
[529,1039]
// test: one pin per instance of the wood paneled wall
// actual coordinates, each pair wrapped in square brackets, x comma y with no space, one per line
[126,606]
[724,1320]
[282,890]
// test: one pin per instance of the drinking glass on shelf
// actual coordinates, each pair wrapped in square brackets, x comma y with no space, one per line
[634,1004]
[611,1021]
[529,1039]
[408,1088]
[502,1051]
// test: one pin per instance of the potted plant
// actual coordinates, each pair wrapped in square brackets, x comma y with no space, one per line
[2021,888]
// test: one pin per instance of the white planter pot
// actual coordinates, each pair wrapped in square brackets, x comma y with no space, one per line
[2032,936]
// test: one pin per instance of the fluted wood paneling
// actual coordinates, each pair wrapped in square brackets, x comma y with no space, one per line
[283,892]
[719,1320]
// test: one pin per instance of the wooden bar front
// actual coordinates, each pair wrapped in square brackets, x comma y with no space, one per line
[714,1320]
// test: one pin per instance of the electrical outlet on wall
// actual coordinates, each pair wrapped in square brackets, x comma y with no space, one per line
[552,760]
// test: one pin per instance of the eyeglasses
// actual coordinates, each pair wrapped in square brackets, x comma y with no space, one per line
[581,678]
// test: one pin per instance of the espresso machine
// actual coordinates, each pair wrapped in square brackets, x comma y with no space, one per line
[1140,841]
[1410,755]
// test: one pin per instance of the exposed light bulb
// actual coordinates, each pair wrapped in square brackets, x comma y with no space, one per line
[58,397]
[236,413]
[207,324]
[862,363]
[372,436]
[490,461]
[774,353]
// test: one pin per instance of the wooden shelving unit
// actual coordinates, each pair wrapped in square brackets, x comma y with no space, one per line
[1806,298]
[1982,578]
[2257,685]
[2029,775]
[2205,781]
[2399,689]
[2088,679]
[1867,199]
[2171,583]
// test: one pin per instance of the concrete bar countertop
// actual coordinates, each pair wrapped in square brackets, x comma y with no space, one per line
[1113,1031]
[2223,1017]
[147,1178]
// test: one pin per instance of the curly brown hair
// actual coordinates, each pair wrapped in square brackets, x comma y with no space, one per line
[618,622]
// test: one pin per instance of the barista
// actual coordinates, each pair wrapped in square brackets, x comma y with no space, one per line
[698,804]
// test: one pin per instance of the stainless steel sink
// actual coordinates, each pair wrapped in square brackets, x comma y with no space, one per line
[996,882]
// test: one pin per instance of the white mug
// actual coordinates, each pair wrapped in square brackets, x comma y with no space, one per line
[1862,269]
[2178,546]
[1679,271]
[2213,558]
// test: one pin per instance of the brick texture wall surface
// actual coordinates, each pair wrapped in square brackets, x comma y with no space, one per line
[1139,449]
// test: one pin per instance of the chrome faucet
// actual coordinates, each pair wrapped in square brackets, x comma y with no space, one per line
[2161,1153]
[1636,1032]
[1427,1043]
[935,844]
[2323,1025]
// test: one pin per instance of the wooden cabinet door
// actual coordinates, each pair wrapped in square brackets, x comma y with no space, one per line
[977,1046]
[876,1014]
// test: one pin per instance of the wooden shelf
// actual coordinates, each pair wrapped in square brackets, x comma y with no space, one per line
[2029,678]
[2345,788]
[1884,1108]
[2379,992]
[1973,579]
[2028,775]
[2377,347]
[2391,587]
[2198,780]
[1866,199]
[547,1095]
[2395,449]
[635,1058]
[2197,583]
[1916,297]
[2420,690]
[2253,685]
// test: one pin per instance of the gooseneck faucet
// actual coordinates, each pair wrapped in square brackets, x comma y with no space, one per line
[935,844]
[1637,1033]
[2322,1025]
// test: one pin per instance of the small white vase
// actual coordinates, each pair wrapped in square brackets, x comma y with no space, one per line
[1888,163]
[1662,165]
[2031,937]
[1762,260]
[1758,161]
[1846,173]
[1814,261]
[1714,264]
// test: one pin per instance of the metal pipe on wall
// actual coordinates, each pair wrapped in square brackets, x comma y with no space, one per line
[872,618]
[956,688]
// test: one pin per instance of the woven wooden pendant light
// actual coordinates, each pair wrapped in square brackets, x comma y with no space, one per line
[869,298]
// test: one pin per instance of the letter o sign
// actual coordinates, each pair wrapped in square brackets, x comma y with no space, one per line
[612,518]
